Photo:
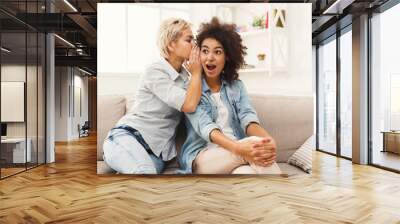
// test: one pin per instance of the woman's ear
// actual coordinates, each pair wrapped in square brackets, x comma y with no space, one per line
[171,46]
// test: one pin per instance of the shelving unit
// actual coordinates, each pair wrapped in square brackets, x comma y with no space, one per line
[259,40]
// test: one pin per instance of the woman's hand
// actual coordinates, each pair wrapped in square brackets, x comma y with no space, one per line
[269,145]
[262,153]
[193,65]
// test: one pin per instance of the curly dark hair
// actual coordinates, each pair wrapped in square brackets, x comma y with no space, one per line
[231,42]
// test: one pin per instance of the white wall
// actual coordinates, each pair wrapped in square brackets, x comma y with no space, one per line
[33,127]
[68,80]
[117,83]
[61,103]
[17,73]
[297,79]
[123,52]
[80,83]
[200,13]
[14,73]
[116,77]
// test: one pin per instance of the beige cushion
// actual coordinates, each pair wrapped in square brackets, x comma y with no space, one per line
[302,158]
[110,109]
[290,170]
[289,120]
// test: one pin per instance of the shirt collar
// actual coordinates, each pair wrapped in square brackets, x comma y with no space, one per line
[173,74]
[205,87]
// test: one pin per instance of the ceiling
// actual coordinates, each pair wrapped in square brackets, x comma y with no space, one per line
[77,22]
[78,26]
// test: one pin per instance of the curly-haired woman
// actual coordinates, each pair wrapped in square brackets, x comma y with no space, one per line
[144,139]
[224,135]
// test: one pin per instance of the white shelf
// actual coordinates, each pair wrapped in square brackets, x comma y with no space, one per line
[254,33]
[254,70]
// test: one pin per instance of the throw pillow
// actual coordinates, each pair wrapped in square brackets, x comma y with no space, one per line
[302,158]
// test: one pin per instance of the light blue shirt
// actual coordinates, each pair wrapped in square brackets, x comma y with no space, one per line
[156,111]
[200,123]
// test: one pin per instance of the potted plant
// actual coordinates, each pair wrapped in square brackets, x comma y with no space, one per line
[259,22]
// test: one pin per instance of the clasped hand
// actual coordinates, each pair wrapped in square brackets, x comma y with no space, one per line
[261,152]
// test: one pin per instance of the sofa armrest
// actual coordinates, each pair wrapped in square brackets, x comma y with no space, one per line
[110,109]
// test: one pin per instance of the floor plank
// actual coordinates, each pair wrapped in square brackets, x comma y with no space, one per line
[387,159]
[70,191]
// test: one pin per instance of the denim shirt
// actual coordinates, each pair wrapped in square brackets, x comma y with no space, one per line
[200,123]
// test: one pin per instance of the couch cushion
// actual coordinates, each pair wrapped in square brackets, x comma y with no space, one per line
[290,170]
[283,154]
[110,109]
[289,120]
[302,158]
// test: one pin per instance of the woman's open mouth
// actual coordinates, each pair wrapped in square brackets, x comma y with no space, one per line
[211,67]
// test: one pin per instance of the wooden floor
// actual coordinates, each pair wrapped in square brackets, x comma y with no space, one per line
[10,171]
[70,191]
[387,159]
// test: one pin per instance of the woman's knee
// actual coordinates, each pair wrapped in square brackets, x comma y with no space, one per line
[216,161]
[123,158]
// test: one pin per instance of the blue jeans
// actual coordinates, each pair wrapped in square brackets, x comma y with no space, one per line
[124,152]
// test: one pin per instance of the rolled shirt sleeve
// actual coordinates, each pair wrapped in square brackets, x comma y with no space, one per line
[202,122]
[165,88]
[246,113]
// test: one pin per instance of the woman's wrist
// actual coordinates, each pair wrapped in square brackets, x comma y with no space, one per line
[196,74]
[237,149]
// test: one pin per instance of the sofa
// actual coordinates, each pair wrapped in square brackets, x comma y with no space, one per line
[289,119]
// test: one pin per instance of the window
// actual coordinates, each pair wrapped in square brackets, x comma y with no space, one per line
[385,114]
[395,101]
[327,97]
[22,66]
[346,94]
[128,44]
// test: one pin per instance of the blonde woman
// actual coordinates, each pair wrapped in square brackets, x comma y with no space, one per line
[143,140]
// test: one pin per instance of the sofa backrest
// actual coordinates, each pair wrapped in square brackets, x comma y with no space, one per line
[289,119]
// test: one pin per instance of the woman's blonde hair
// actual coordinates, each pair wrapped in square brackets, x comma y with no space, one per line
[170,30]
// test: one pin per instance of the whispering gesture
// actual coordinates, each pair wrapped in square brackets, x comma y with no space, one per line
[193,65]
